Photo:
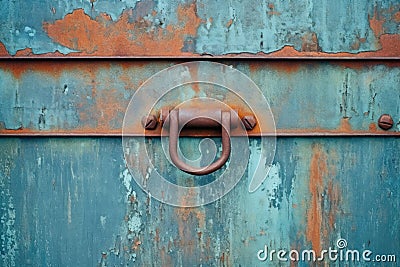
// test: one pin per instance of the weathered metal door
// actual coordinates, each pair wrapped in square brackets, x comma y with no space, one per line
[74,192]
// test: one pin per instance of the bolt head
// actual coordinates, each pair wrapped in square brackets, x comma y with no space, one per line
[149,122]
[385,122]
[249,121]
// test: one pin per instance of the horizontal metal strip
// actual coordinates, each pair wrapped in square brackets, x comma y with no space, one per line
[280,133]
[239,56]
[90,97]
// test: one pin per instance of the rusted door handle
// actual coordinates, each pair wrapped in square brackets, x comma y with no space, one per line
[194,118]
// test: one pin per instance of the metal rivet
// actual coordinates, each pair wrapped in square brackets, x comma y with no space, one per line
[249,122]
[385,122]
[149,122]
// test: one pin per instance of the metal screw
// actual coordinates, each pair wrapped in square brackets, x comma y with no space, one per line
[149,122]
[249,122]
[385,122]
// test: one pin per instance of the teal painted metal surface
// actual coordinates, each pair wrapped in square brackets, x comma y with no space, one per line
[72,202]
[67,197]
[194,28]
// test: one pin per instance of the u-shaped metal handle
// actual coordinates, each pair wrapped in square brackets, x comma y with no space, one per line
[225,123]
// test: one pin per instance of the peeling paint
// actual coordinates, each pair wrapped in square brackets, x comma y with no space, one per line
[103,221]
[202,28]
[78,31]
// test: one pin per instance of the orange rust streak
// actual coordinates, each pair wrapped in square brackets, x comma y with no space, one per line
[55,69]
[372,127]
[194,76]
[101,36]
[287,67]
[376,24]
[229,23]
[318,171]
[345,126]
[320,218]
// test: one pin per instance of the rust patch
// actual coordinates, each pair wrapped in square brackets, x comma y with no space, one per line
[3,50]
[318,171]
[310,43]
[325,198]
[281,66]
[24,52]
[102,36]
[106,109]
[133,35]
[193,74]
[229,23]
[372,127]
[390,44]
[51,68]
[376,23]
[357,43]
[190,221]
[136,244]
[396,17]
[345,126]
[272,11]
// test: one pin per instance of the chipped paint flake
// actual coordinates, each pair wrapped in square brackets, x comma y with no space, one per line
[126,178]
[69,207]
[103,221]
[134,223]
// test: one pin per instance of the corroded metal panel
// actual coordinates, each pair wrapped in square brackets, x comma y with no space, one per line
[91,97]
[72,202]
[68,70]
[236,28]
